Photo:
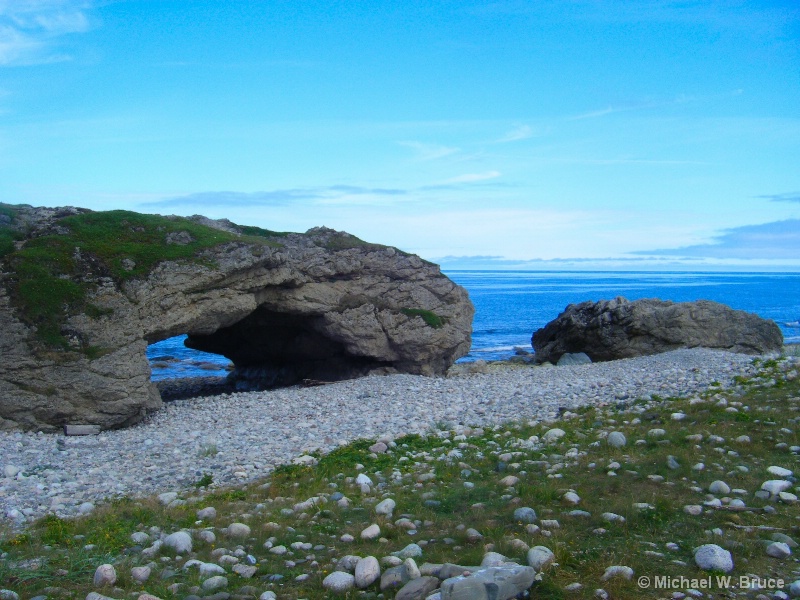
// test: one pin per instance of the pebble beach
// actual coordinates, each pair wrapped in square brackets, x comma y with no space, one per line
[240,437]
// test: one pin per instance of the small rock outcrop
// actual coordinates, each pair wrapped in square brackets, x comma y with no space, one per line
[614,329]
[82,293]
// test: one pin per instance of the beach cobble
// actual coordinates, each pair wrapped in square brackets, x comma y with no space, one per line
[237,438]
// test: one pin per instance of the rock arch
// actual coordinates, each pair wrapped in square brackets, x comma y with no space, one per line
[321,305]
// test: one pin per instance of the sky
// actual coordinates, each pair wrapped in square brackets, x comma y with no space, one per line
[508,134]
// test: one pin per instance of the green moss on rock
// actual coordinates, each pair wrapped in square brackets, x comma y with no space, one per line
[431,318]
[50,271]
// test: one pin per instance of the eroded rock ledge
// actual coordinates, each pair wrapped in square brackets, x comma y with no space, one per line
[82,294]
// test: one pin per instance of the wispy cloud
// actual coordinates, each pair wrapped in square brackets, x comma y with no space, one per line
[788,197]
[426,151]
[30,30]
[269,198]
[472,177]
[521,132]
[776,240]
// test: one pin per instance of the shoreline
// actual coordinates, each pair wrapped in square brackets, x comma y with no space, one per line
[241,437]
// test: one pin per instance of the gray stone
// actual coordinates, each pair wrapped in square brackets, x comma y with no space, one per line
[719,488]
[215,583]
[348,563]
[776,486]
[339,582]
[540,557]
[525,514]
[371,533]
[618,572]
[616,439]
[573,358]
[553,435]
[449,570]
[711,557]
[385,507]
[238,530]
[207,569]
[411,568]
[140,537]
[367,572]
[779,471]
[245,571]
[493,559]
[394,578]
[206,514]
[180,541]
[614,329]
[105,575]
[410,551]
[418,589]
[140,574]
[494,583]
[779,550]
[782,537]
[167,497]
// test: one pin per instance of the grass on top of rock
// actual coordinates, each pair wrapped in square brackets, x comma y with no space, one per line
[431,318]
[54,272]
[632,501]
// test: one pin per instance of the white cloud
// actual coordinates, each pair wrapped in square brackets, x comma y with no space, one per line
[472,177]
[430,151]
[30,29]
[521,132]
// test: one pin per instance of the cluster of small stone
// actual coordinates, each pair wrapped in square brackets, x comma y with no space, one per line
[238,438]
[405,575]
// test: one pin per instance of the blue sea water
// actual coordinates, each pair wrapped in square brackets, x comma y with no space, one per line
[511,305]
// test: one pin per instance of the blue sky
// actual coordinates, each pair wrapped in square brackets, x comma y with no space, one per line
[565,134]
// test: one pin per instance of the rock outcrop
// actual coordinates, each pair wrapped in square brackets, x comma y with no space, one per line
[82,294]
[613,329]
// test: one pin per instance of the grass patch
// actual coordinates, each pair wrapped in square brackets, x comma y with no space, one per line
[431,318]
[53,273]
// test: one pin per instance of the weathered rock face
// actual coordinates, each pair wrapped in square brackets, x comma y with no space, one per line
[613,329]
[282,307]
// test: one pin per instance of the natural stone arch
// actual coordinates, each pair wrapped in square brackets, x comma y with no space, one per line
[341,307]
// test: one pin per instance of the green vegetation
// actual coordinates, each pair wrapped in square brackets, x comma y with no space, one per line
[345,241]
[251,230]
[431,318]
[55,272]
[7,235]
[625,481]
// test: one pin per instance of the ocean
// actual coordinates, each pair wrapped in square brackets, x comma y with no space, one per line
[511,305]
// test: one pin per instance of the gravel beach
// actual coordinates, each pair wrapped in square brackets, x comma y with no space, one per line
[240,437]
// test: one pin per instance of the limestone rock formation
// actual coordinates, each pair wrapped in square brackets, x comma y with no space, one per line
[613,329]
[82,294]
